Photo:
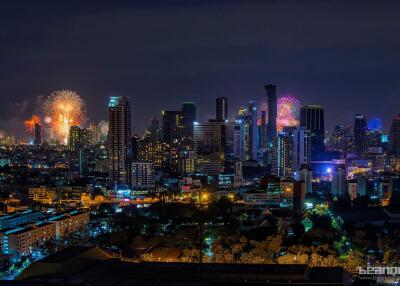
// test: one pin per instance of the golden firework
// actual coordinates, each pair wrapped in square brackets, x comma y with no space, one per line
[65,108]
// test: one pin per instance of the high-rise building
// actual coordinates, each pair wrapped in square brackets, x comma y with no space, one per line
[394,137]
[189,117]
[253,130]
[75,137]
[262,130]
[209,147]
[312,118]
[38,134]
[283,149]
[360,135]
[337,142]
[302,147]
[222,109]
[79,138]
[143,175]
[272,112]
[119,140]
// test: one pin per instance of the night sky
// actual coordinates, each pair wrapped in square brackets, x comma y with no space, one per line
[343,55]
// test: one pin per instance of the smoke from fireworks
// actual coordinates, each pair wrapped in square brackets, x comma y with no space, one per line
[63,109]
[288,112]
[30,123]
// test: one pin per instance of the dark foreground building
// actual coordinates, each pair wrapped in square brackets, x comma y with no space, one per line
[92,266]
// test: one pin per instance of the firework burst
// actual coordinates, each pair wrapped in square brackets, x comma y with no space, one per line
[30,123]
[64,108]
[288,112]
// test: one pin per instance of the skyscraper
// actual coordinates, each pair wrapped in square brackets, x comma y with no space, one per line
[262,133]
[253,130]
[395,137]
[301,147]
[189,117]
[143,175]
[282,164]
[209,147]
[272,112]
[360,135]
[75,137]
[119,140]
[222,109]
[312,118]
[38,134]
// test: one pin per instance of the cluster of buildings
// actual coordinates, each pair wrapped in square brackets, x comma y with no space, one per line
[283,139]
[24,232]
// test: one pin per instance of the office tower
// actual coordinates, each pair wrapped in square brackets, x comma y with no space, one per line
[312,118]
[75,137]
[119,140]
[338,184]
[173,131]
[80,138]
[87,137]
[143,175]
[38,134]
[262,130]
[186,162]
[222,109]
[394,137]
[172,126]
[153,151]
[337,142]
[208,141]
[272,112]
[238,174]
[189,117]
[253,130]
[238,141]
[282,164]
[301,147]
[360,135]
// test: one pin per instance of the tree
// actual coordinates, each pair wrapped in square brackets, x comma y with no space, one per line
[354,260]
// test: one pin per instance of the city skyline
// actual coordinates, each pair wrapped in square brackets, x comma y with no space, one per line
[336,64]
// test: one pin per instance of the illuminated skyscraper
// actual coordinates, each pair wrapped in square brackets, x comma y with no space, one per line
[75,137]
[360,135]
[272,112]
[301,147]
[119,140]
[395,137]
[312,118]
[253,130]
[209,147]
[143,175]
[222,109]
[283,151]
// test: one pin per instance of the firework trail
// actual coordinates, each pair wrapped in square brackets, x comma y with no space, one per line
[63,109]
